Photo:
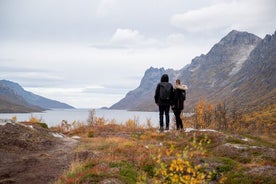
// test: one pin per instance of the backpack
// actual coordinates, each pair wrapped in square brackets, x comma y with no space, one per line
[165,91]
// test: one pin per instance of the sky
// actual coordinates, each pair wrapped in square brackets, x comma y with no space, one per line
[90,53]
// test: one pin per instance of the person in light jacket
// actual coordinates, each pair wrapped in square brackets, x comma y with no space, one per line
[178,102]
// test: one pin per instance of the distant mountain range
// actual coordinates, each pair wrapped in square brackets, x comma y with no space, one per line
[239,70]
[13,98]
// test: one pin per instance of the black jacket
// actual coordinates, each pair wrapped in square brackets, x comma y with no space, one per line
[164,82]
[178,98]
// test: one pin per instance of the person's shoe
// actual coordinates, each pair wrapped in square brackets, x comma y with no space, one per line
[167,128]
[161,129]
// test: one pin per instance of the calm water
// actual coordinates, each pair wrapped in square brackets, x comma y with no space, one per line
[55,116]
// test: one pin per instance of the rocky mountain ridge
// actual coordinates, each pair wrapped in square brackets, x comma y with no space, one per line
[226,73]
[13,98]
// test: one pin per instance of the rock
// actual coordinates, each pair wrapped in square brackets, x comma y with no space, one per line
[5,121]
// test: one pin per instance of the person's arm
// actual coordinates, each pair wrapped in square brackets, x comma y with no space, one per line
[184,95]
[156,96]
[172,96]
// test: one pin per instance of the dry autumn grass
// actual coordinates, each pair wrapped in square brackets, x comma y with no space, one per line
[130,153]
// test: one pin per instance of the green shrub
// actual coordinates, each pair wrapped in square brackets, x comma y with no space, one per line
[90,134]
[127,171]
[43,125]
[227,165]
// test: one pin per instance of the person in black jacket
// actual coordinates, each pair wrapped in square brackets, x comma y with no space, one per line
[178,102]
[163,98]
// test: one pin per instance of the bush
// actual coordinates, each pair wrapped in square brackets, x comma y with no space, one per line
[43,125]
[90,134]
[185,167]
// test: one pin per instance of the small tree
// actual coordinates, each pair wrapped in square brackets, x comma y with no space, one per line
[235,118]
[203,114]
[91,117]
[199,114]
[208,115]
[221,116]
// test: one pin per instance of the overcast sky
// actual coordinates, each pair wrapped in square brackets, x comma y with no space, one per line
[90,53]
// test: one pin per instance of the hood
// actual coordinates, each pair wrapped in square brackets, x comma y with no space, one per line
[165,78]
[182,87]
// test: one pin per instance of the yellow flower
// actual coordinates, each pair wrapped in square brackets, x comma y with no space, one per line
[183,180]
[181,167]
[179,161]
[171,168]
[197,167]
[187,163]
[175,178]
[187,177]
[189,170]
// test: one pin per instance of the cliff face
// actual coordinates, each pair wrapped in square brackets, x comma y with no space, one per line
[208,74]
[226,73]
[255,84]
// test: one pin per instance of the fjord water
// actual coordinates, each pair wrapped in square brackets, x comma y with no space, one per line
[55,116]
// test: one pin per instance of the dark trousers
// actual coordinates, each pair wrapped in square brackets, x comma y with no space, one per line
[164,109]
[179,124]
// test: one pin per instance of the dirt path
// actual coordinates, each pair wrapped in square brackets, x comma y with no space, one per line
[33,155]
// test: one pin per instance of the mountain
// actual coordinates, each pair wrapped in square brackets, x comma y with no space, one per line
[208,74]
[239,70]
[13,98]
[255,83]
[142,97]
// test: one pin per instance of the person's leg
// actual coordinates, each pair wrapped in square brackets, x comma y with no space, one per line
[180,121]
[167,114]
[177,117]
[161,118]
[175,114]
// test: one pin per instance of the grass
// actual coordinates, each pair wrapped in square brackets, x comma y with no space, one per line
[134,154]
[227,165]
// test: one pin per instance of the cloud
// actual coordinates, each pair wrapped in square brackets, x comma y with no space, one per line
[126,36]
[176,39]
[128,39]
[132,38]
[30,76]
[105,7]
[228,15]
[84,50]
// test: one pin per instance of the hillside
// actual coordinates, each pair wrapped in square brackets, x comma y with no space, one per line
[7,106]
[32,154]
[113,153]
[13,98]
[254,85]
[226,73]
